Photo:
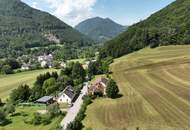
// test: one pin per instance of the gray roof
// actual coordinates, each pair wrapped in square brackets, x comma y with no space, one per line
[44,99]
[69,92]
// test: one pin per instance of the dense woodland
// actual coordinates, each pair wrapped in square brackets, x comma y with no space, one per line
[169,26]
[100,29]
[24,29]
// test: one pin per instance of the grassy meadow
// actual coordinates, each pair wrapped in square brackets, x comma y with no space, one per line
[26,112]
[10,82]
[155,84]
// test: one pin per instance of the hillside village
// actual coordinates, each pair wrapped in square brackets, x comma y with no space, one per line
[62,91]
[64,68]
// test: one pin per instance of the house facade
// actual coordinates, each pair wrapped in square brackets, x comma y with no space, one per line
[25,67]
[98,87]
[67,96]
[46,60]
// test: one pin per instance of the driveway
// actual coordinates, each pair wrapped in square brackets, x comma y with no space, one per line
[73,111]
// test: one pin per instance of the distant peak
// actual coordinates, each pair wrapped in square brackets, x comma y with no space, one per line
[107,18]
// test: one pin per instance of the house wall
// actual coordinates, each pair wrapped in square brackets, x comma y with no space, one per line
[100,87]
[64,99]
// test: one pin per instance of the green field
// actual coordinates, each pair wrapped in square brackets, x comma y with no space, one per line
[155,84]
[10,82]
[77,60]
[26,112]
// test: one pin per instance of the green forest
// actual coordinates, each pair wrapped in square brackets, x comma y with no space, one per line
[172,29]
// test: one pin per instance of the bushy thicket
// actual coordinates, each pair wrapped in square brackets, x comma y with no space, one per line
[101,66]
[53,111]
[7,66]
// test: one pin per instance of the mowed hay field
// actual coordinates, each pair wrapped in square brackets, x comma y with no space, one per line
[10,82]
[155,84]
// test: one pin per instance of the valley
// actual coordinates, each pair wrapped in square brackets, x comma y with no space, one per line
[10,82]
[156,92]
[88,65]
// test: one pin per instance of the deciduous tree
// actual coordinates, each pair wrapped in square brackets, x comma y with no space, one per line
[49,86]
[112,89]
[21,94]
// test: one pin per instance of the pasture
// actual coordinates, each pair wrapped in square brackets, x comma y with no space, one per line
[155,84]
[10,82]
[24,113]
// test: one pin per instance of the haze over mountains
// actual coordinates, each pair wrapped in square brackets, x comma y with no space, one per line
[168,26]
[100,29]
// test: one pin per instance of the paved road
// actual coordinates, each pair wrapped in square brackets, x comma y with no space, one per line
[72,112]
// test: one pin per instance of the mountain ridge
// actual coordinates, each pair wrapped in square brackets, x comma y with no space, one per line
[100,29]
[23,28]
[18,19]
[169,26]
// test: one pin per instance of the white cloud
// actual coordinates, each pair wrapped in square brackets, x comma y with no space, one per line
[34,4]
[72,11]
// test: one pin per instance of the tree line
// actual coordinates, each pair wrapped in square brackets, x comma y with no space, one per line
[169,26]
[45,84]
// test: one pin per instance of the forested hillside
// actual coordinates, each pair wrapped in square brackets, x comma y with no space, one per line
[24,27]
[168,26]
[100,29]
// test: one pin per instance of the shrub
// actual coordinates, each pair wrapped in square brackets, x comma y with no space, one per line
[1,103]
[46,119]
[27,120]
[10,108]
[6,69]
[2,116]
[37,119]
[54,110]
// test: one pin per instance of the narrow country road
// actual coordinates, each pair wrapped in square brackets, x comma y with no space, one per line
[73,111]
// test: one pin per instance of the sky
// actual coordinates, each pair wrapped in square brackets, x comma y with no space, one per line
[125,12]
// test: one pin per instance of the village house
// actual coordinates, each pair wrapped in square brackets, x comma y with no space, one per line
[25,67]
[67,96]
[98,87]
[46,60]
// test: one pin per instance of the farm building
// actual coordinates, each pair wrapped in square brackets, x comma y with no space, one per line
[67,96]
[98,86]
[45,100]
[25,66]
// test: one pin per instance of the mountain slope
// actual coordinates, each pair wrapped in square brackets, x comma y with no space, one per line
[23,26]
[100,29]
[168,26]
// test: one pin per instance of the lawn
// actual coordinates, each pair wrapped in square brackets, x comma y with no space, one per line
[77,60]
[155,84]
[10,82]
[24,112]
